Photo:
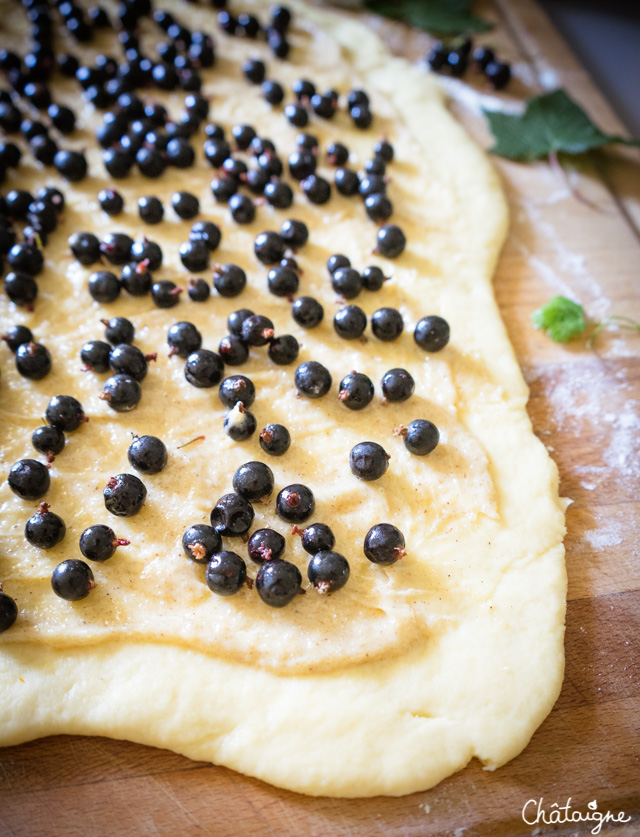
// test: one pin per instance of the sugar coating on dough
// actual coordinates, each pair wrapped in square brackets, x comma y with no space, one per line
[409,671]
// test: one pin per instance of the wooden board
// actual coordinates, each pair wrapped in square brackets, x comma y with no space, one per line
[585,406]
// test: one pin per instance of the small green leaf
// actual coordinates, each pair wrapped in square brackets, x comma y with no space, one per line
[441,17]
[560,318]
[551,123]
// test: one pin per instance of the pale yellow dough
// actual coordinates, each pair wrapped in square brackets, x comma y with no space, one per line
[410,671]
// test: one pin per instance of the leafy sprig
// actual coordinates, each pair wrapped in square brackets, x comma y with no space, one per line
[550,124]
[438,17]
[563,319]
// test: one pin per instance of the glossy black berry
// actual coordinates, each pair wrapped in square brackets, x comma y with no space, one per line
[269,247]
[253,481]
[295,233]
[265,545]
[33,361]
[110,201]
[328,571]
[372,184]
[307,312]
[391,241]
[204,368]
[226,573]
[384,544]
[302,164]
[347,182]
[254,70]
[275,439]
[201,542]
[297,115]
[118,330]
[397,385]
[356,391]
[498,73]
[65,412]
[121,392]
[235,320]
[26,258]
[361,116]
[278,582]
[21,288]
[183,339]
[350,322]
[317,537]
[62,118]
[16,335]
[373,278]
[384,150]
[257,330]
[148,454]
[420,436]
[242,209]
[48,440]
[194,255]
[95,356]
[312,379]
[99,542]
[273,92]
[185,205]
[180,153]
[124,495]
[432,333]
[85,247]
[436,58]
[232,516]
[278,42]
[116,247]
[72,165]
[233,350]
[44,529]
[346,282]
[151,162]
[147,252]
[239,424]
[387,324]
[283,349]
[295,503]
[198,290]
[104,286]
[29,479]
[378,207]
[278,194]
[126,359]
[282,281]
[208,232]
[150,209]
[235,389]
[368,461]
[117,162]
[456,62]
[316,188]
[8,612]
[165,293]
[72,580]
[216,151]
[229,280]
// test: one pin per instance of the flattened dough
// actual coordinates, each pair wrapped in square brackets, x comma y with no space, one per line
[407,673]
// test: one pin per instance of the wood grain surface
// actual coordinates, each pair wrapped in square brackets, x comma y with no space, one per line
[585,406]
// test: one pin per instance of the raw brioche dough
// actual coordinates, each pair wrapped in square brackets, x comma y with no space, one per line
[403,676]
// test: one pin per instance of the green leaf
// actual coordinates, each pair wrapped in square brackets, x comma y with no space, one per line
[551,123]
[560,318]
[441,17]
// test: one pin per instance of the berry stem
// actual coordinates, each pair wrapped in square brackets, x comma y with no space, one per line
[190,442]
